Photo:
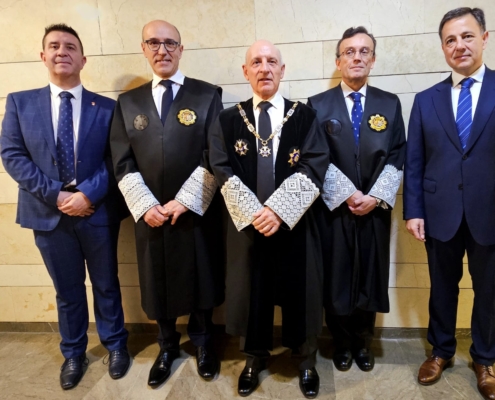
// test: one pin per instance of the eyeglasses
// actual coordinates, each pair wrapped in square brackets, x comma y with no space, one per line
[350,52]
[154,44]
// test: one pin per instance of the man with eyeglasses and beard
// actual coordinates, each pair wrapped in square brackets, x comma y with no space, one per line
[365,134]
[158,139]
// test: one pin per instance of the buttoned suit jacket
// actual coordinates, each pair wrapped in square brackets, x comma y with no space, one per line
[442,181]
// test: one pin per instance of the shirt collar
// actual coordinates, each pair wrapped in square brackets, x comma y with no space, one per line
[476,75]
[75,91]
[177,78]
[277,101]
[347,90]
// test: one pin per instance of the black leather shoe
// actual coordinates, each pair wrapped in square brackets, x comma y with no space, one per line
[309,383]
[72,371]
[248,381]
[365,359]
[118,363]
[206,362]
[160,370]
[342,359]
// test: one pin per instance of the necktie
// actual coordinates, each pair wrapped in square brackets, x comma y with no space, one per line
[265,179]
[167,99]
[464,118]
[357,115]
[65,139]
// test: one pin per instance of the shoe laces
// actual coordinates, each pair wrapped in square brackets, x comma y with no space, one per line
[110,357]
[72,362]
[489,370]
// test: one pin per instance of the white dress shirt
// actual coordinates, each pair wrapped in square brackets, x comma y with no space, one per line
[475,89]
[157,89]
[76,102]
[348,99]
[276,113]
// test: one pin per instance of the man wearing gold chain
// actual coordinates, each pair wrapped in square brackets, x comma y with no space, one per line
[269,161]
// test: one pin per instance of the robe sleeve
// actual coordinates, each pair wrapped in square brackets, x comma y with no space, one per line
[388,182]
[199,189]
[297,192]
[337,187]
[137,195]
[240,201]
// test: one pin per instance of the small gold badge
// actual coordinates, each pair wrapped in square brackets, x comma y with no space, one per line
[141,122]
[294,157]
[377,122]
[241,147]
[187,117]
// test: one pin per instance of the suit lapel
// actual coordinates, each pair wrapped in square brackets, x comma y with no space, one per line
[45,110]
[442,101]
[89,109]
[484,108]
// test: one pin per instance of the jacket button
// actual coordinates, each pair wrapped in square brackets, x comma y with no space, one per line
[464,157]
[460,186]
[54,162]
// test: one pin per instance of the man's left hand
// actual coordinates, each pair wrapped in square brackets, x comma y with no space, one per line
[266,221]
[174,209]
[363,205]
[77,205]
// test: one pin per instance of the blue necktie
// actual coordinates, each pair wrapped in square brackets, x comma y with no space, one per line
[65,139]
[357,115]
[464,118]
[167,99]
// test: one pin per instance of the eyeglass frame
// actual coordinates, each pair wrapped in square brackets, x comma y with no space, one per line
[176,44]
[365,56]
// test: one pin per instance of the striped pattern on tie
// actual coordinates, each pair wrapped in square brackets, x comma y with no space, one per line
[464,118]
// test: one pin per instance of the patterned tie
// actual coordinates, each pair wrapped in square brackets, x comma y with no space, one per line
[265,180]
[464,118]
[357,115]
[65,139]
[167,99]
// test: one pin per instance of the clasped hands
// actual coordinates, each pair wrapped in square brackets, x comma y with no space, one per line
[74,204]
[266,221]
[156,216]
[361,204]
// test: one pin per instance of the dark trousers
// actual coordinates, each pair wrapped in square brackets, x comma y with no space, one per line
[199,329]
[67,250]
[445,264]
[353,332]
[306,353]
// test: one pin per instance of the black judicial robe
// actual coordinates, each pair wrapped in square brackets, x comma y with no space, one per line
[284,269]
[181,267]
[356,249]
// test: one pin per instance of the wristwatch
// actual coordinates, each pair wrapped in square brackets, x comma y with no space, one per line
[378,201]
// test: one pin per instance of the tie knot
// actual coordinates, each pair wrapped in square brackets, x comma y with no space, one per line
[264,105]
[66,95]
[167,83]
[356,96]
[466,83]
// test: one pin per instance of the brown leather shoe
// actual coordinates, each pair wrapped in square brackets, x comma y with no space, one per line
[431,370]
[486,380]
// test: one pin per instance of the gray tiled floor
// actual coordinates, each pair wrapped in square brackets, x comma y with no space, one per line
[29,368]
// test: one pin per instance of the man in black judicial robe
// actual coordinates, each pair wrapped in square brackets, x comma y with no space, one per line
[273,254]
[365,135]
[158,137]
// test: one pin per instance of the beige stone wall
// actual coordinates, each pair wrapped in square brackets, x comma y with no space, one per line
[216,34]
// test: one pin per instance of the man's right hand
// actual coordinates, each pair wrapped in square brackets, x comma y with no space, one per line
[416,227]
[356,195]
[156,216]
[61,197]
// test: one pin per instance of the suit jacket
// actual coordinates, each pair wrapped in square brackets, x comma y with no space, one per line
[442,181]
[29,155]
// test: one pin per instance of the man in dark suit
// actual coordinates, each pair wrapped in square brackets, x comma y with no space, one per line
[449,196]
[54,144]
[158,137]
[366,138]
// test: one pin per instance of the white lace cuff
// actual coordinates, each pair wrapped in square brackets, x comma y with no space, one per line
[197,192]
[337,187]
[387,185]
[241,202]
[138,197]
[293,197]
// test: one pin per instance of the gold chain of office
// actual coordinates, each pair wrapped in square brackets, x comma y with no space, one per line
[265,150]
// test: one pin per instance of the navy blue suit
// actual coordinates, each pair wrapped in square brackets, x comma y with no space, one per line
[453,190]
[66,243]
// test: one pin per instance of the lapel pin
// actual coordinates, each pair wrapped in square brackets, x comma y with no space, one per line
[93,103]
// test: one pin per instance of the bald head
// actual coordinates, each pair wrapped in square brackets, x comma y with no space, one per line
[264,68]
[159,24]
